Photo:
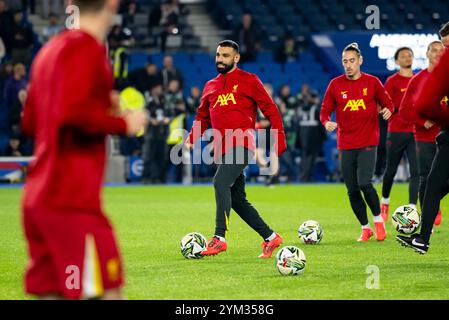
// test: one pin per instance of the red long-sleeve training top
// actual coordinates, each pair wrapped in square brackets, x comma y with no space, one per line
[229,102]
[408,110]
[355,103]
[432,101]
[396,86]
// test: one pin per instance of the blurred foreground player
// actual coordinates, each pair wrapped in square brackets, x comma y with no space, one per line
[354,96]
[425,130]
[432,104]
[70,110]
[229,104]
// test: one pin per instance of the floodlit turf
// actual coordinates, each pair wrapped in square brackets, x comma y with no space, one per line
[150,221]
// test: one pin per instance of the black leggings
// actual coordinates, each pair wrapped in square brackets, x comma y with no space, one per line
[229,184]
[425,152]
[398,144]
[437,185]
[357,167]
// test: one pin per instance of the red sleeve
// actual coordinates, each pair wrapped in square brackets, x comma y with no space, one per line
[202,119]
[271,112]
[382,96]
[389,87]
[328,105]
[433,90]
[28,115]
[407,109]
[83,107]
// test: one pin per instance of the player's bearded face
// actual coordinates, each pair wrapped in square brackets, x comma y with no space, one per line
[224,68]
[225,59]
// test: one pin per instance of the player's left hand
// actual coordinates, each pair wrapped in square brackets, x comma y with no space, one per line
[386,113]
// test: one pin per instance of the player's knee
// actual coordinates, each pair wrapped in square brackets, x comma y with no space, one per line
[367,187]
[354,194]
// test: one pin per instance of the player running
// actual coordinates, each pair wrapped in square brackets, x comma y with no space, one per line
[229,104]
[425,129]
[72,248]
[432,103]
[400,138]
[354,97]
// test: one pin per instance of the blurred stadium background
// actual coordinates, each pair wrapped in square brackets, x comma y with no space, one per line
[162,53]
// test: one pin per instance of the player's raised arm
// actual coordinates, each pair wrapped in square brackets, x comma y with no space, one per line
[435,89]
[271,112]
[202,119]
[327,107]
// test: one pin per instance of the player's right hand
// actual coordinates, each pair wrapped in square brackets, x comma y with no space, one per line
[135,121]
[330,126]
[428,124]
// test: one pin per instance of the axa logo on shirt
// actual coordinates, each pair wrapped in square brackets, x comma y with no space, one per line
[225,99]
[354,105]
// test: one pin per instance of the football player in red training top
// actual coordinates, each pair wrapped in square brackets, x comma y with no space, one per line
[425,129]
[432,104]
[70,110]
[354,97]
[400,139]
[229,104]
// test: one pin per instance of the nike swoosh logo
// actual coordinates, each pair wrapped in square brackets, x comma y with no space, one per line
[417,243]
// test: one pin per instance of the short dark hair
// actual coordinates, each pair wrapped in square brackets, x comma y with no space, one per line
[396,54]
[353,47]
[434,42]
[231,44]
[444,31]
[89,5]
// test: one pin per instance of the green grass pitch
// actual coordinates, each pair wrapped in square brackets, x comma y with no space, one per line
[150,221]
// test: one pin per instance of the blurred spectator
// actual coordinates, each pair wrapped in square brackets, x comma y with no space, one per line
[311,134]
[53,27]
[129,16]
[2,50]
[163,21]
[169,73]
[287,105]
[285,97]
[264,156]
[13,85]
[145,78]
[6,25]
[120,40]
[179,8]
[287,51]
[175,112]
[29,4]
[6,71]
[305,94]
[193,101]
[51,6]
[22,40]
[248,38]
[154,148]
[131,99]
